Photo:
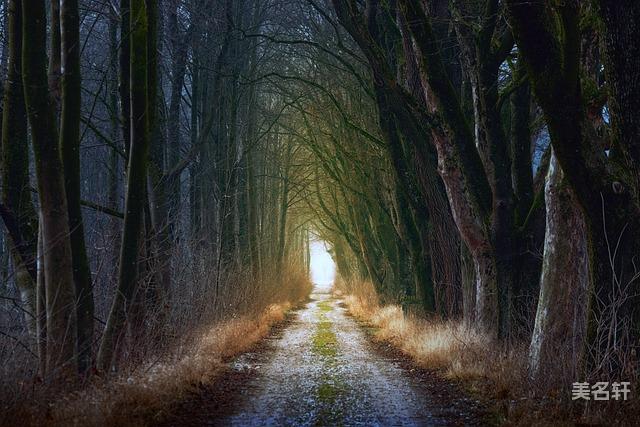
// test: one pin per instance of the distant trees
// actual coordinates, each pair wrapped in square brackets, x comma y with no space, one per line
[174,119]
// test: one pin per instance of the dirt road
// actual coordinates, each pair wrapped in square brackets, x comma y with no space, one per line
[322,369]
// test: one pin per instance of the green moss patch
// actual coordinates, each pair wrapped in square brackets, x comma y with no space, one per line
[325,306]
[325,344]
[324,340]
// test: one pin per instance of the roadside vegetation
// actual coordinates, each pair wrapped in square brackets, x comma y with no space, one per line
[164,372]
[495,374]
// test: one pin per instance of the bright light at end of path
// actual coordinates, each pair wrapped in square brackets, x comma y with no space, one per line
[323,269]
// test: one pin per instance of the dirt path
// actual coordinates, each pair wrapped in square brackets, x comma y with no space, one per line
[323,370]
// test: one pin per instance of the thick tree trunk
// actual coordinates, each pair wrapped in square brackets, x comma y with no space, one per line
[614,325]
[70,150]
[135,198]
[468,278]
[475,170]
[621,20]
[60,292]
[558,336]
[606,186]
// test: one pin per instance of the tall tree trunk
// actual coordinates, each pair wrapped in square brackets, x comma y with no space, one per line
[16,188]
[58,264]
[179,53]
[136,181]
[115,168]
[195,218]
[560,323]
[251,203]
[70,149]
[158,185]
[606,186]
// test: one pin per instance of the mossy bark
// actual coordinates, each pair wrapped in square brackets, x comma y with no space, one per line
[557,339]
[606,186]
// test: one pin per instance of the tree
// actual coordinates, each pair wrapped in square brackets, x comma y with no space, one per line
[58,264]
[17,207]
[136,181]
[71,102]
[604,182]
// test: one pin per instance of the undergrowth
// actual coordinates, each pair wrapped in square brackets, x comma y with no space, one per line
[200,332]
[492,372]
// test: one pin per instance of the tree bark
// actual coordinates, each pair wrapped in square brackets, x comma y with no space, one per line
[58,264]
[16,188]
[606,186]
[70,149]
[557,340]
[158,186]
[55,54]
[136,195]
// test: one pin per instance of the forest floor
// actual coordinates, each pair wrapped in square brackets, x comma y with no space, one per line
[321,367]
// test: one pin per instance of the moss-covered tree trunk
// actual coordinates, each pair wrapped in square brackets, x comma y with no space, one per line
[473,192]
[605,185]
[58,265]
[560,321]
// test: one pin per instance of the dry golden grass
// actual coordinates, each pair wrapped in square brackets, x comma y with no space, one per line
[185,344]
[450,346]
[146,395]
[489,370]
